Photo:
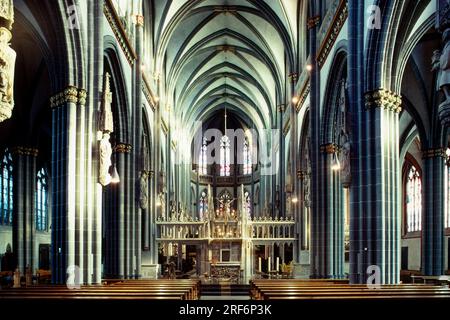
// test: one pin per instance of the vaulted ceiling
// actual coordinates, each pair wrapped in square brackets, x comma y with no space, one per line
[214,53]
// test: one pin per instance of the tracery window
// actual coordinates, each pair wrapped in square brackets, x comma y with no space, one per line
[41,201]
[247,156]
[6,187]
[413,200]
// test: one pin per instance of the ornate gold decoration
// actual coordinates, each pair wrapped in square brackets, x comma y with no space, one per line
[7,60]
[119,31]
[25,151]
[382,98]
[434,153]
[333,31]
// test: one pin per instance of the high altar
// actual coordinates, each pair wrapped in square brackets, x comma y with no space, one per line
[227,243]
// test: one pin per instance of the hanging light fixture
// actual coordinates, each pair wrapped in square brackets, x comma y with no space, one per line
[336,164]
[115,176]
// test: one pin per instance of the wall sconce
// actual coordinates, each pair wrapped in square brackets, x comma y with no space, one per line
[294,200]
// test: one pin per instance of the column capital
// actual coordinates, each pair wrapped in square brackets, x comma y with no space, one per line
[383,98]
[329,148]
[281,107]
[25,151]
[434,153]
[301,174]
[139,20]
[71,94]
[313,22]
[123,148]
[294,77]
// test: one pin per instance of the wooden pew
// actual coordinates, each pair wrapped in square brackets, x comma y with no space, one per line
[326,289]
[122,290]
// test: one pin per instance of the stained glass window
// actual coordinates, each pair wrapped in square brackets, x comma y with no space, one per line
[41,201]
[247,156]
[225,156]
[6,186]
[414,200]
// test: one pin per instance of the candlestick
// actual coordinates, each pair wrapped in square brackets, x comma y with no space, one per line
[268,265]
[278,264]
[259,265]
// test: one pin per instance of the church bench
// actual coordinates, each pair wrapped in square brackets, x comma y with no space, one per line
[444,279]
[183,291]
[311,289]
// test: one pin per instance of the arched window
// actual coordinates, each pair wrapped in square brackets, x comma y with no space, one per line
[413,200]
[247,156]
[6,186]
[203,205]
[225,156]
[41,201]
[202,159]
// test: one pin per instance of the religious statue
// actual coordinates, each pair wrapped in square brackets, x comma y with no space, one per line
[441,60]
[105,127]
[345,160]
[105,160]
[7,60]
[143,190]
[444,66]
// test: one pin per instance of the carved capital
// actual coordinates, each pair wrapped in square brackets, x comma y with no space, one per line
[70,94]
[294,77]
[25,151]
[434,153]
[385,99]
[301,174]
[329,148]
[140,20]
[82,97]
[123,148]
[313,22]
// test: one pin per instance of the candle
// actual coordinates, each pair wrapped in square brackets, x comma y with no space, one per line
[259,265]
[278,264]
[268,265]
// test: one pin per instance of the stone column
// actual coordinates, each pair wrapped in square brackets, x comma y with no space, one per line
[433,248]
[375,205]
[24,188]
